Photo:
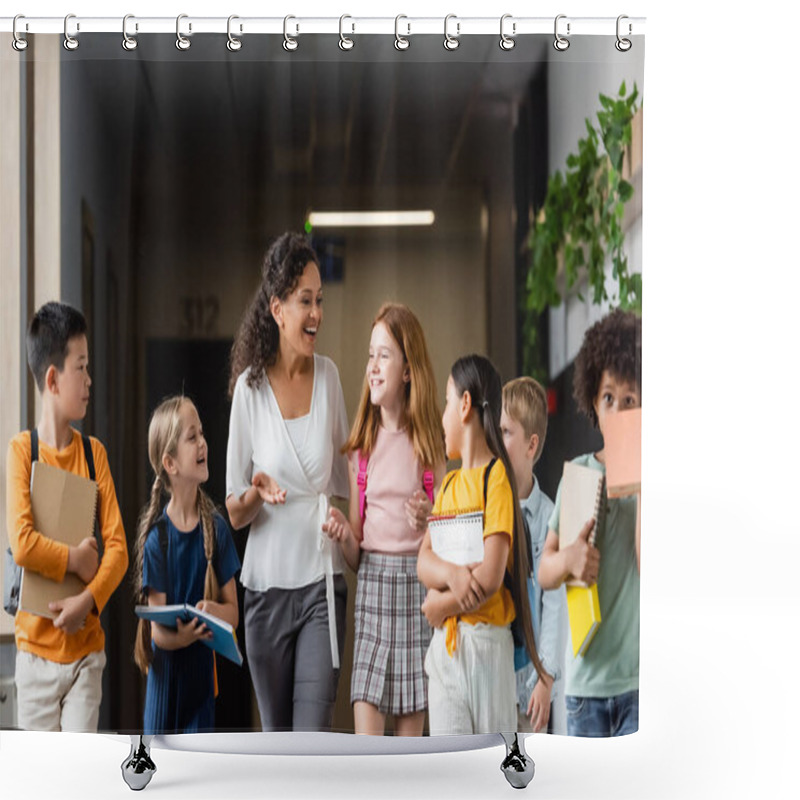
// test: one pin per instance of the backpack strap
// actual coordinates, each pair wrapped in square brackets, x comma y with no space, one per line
[361,480]
[87,451]
[163,541]
[427,483]
[449,481]
[486,480]
[34,445]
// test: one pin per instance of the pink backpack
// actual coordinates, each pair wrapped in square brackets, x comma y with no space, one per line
[427,484]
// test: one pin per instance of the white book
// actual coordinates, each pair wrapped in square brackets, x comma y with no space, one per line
[457,538]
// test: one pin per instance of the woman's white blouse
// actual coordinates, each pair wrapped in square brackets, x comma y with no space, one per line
[286,547]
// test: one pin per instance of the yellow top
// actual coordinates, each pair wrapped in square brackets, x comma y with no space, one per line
[36,552]
[465,492]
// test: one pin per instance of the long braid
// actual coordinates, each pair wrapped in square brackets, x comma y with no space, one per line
[522,563]
[206,511]
[143,651]
[162,439]
[477,375]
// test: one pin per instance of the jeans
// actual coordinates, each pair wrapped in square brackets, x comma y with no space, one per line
[603,716]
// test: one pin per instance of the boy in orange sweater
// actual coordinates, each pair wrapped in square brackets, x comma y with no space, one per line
[60,662]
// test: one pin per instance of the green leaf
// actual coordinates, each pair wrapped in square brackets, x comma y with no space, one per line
[581,217]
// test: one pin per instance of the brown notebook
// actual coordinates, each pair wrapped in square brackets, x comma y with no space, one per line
[582,499]
[64,507]
[622,441]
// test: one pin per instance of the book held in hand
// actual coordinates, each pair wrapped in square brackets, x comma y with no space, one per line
[223,639]
[622,444]
[583,607]
[457,538]
[582,499]
[64,506]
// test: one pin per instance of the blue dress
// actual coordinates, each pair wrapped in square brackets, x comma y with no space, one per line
[180,683]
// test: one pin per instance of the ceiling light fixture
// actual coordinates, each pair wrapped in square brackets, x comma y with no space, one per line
[369,219]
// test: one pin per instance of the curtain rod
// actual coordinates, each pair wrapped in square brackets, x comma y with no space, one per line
[347,25]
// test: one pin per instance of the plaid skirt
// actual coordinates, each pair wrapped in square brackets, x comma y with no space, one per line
[391,635]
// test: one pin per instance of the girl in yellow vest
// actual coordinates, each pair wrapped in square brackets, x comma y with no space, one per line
[470,661]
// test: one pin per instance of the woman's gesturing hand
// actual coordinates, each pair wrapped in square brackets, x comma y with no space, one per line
[268,489]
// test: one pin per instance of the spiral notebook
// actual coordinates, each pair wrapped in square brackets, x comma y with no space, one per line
[458,538]
[64,507]
[582,499]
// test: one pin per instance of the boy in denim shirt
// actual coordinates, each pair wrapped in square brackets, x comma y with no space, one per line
[524,426]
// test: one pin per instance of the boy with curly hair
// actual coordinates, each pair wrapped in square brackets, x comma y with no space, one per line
[603,685]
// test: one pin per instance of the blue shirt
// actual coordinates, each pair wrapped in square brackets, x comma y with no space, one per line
[548,609]
[180,683]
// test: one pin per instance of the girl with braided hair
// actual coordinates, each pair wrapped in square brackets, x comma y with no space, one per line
[184,554]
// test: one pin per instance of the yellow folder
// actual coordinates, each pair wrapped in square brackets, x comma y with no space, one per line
[583,606]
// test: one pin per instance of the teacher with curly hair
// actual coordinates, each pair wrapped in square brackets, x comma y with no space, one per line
[287,427]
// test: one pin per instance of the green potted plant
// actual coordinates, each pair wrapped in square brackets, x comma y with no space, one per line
[580,223]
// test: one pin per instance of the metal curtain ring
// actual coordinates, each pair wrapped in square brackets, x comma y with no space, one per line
[233,44]
[623,45]
[182,43]
[345,43]
[289,43]
[128,42]
[70,42]
[560,43]
[507,42]
[18,43]
[400,42]
[451,42]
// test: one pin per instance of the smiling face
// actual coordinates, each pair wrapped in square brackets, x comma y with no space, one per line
[387,371]
[613,396]
[190,462]
[300,314]
[71,384]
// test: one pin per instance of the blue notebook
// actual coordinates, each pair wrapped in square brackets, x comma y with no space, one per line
[224,636]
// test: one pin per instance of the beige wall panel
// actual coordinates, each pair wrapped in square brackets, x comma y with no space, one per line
[10,244]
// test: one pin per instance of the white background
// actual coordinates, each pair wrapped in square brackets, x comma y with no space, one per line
[720,544]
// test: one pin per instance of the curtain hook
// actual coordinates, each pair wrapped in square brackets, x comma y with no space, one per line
[561,43]
[18,43]
[346,43]
[451,42]
[289,42]
[401,42]
[182,43]
[233,44]
[128,42]
[70,42]
[507,42]
[623,45]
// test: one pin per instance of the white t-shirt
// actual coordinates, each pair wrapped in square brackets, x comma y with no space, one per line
[286,543]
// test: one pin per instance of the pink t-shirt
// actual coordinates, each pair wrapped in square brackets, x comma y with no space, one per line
[393,475]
